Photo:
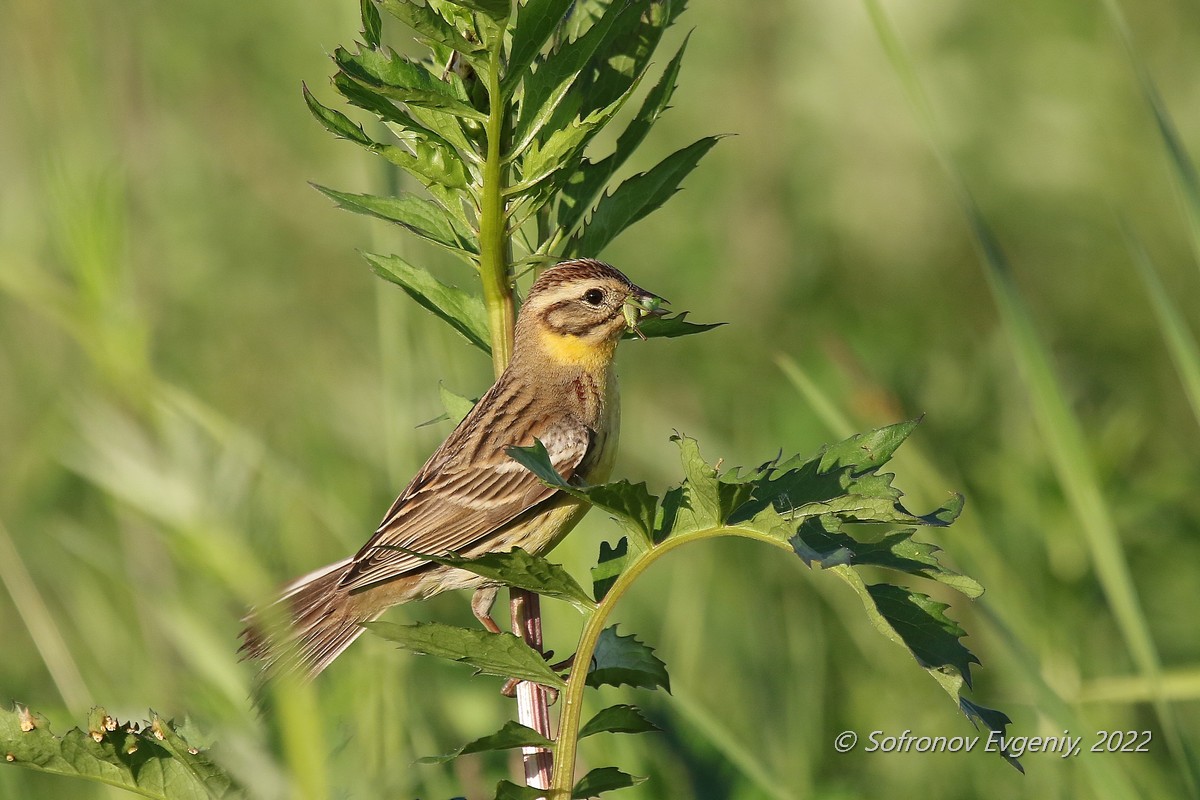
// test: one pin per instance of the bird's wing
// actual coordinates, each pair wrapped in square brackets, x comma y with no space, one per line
[457,507]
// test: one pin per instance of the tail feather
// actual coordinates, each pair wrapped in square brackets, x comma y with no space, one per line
[309,626]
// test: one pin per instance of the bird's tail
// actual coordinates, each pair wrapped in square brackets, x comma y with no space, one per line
[309,626]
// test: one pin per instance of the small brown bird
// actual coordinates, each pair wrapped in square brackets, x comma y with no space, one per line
[470,498]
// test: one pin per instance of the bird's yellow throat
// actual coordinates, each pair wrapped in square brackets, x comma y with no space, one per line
[576,351]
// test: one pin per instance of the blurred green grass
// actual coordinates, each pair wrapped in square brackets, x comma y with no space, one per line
[203,390]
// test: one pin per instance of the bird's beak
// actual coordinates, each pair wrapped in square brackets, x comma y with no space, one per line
[642,304]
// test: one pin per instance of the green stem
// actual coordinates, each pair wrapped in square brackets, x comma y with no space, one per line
[493,236]
[570,715]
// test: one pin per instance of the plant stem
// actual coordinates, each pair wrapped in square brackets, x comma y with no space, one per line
[571,712]
[533,708]
[493,238]
[533,705]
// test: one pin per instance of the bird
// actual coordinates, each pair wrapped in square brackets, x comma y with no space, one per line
[470,498]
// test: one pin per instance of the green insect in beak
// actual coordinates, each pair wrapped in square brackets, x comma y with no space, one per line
[640,306]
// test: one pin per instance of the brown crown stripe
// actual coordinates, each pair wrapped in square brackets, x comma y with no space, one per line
[572,271]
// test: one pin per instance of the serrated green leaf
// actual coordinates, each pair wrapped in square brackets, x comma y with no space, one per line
[632,504]
[536,21]
[921,622]
[561,151]
[619,63]
[512,735]
[821,540]
[545,89]
[621,660]
[461,310]
[617,719]
[920,625]
[387,111]
[336,122]
[874,499]
[430,25]
[501,654]
[522,570]
[433,125]
[611,564]
[431,164]
[543,160]
[637,197]
[581,189]
[411,83]
[154,761]
[993,720]
[371,23]
[457,406]
[670,327]
[667,518]
[706,501]
[409,211]
[603,779]
[867,451]
[841,480]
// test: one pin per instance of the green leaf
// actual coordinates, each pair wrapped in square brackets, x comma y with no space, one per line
[154,761]
[409,211]
[430,25]
[433,125]
[603,779]
[991,719]
[632,504]
[411,83]
[621,660]
[867,451]
[931,636]
[507,790]
[336,122]
[461,310]
[430,163]
[403,125]
[920,624]
[457,406]
[670,327]
[618,719]
[522,570]
[840,480]
[611,564]
[512,735]
[545,89]
[637,197]
[536,21]
[489,653]
[619,63]
[372,25]
[582,188]
[707,501]
[560,152]
[820,540]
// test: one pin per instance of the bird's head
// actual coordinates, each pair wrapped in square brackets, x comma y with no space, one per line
[577,311]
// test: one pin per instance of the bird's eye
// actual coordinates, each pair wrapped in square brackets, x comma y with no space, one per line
[593,297]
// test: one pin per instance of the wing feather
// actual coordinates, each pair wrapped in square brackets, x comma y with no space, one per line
[460,505]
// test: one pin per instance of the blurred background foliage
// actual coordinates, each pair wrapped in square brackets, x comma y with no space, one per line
[204,391]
